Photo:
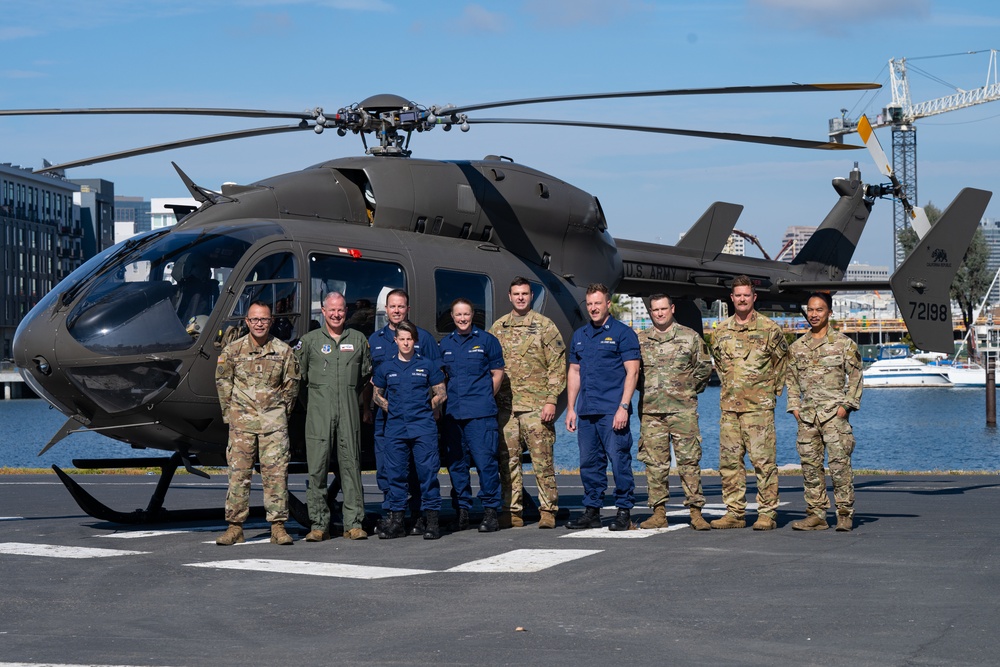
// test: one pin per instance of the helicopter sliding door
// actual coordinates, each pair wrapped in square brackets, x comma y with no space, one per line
[273,280]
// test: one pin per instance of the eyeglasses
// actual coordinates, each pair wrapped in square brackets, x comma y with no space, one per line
[258,320]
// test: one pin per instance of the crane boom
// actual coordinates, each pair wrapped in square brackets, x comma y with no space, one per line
[900,115]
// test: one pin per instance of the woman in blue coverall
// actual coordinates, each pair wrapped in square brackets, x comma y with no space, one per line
[409,388]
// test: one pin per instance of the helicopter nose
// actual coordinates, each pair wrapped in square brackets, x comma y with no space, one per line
[34,351]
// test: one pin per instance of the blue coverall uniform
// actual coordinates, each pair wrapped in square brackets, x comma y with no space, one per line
[601,353]
[410,430]
[470,428]
[383,349]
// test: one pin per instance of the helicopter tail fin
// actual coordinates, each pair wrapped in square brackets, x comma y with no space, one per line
[709,234]
[828,251]
[922,283]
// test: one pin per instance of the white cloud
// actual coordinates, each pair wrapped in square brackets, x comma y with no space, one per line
[477,19]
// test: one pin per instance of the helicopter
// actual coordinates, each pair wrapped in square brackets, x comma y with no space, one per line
[127,344]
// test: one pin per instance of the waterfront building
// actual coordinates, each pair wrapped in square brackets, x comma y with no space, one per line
[40,241]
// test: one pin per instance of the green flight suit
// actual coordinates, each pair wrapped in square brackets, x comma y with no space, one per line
[335,374]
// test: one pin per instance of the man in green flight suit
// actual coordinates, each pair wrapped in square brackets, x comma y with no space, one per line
[336,366]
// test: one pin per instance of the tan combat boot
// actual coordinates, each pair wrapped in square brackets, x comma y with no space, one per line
[278,533]
[730,520]
[316,535]
[357,534]
[233,535]
[698,521]
[548,519]
[811,522]
[658,520]
[764,523]
[516,521]
[845,523]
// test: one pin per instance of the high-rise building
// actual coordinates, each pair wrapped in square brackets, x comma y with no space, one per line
[40,241]
[131,216]
[796,237]
[991,231]
[736,245]
[96,200]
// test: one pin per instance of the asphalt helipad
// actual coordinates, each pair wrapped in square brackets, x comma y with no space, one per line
[916,583]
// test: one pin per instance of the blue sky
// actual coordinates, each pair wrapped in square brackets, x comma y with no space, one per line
[299,54]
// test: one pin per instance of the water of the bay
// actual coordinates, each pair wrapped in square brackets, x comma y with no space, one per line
[923,429]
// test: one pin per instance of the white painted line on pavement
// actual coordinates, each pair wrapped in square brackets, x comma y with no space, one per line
[53,551]
[308,567]
[132,534]
[53,664]
[11,518]
[605,534]
[524,560]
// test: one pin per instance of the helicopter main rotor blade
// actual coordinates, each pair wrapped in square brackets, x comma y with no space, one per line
[726,90]
[179,111]
[726,136]
[209,139]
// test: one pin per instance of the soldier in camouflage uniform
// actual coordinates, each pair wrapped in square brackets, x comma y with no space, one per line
[675,369]
[750,355]
[824,386]
[534,377]
[257,378]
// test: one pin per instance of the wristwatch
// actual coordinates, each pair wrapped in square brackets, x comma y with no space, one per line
[623,405]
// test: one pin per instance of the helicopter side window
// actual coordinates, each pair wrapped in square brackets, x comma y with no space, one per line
[538,292]
[364,284]
[475,287]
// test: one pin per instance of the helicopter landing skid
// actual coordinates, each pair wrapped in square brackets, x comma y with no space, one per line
[155,512]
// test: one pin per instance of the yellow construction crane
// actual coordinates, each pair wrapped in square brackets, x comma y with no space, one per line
[900,115]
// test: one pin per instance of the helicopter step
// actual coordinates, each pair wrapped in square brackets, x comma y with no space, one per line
[155,512]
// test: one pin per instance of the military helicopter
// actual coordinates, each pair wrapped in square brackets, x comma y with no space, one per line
[127,344]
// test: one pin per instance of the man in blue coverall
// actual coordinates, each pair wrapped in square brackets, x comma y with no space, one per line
[473,360]
[383,348]
[604,360]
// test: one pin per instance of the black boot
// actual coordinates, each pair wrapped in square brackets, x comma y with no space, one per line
[591,518]
[491,523]
[419,525]
[463,519]
[623,520]
[432,530]
[393,527]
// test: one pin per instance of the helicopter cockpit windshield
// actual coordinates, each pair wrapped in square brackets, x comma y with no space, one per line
[159,298]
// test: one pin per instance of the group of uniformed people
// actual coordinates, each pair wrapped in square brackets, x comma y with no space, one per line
[491,395]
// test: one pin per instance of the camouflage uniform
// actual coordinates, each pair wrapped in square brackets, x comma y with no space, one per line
[535,374]
[257,387]
[824,374]
[675,369]
[750,359]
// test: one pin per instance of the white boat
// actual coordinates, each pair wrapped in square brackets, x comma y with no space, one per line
[968,375]
[895,368]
